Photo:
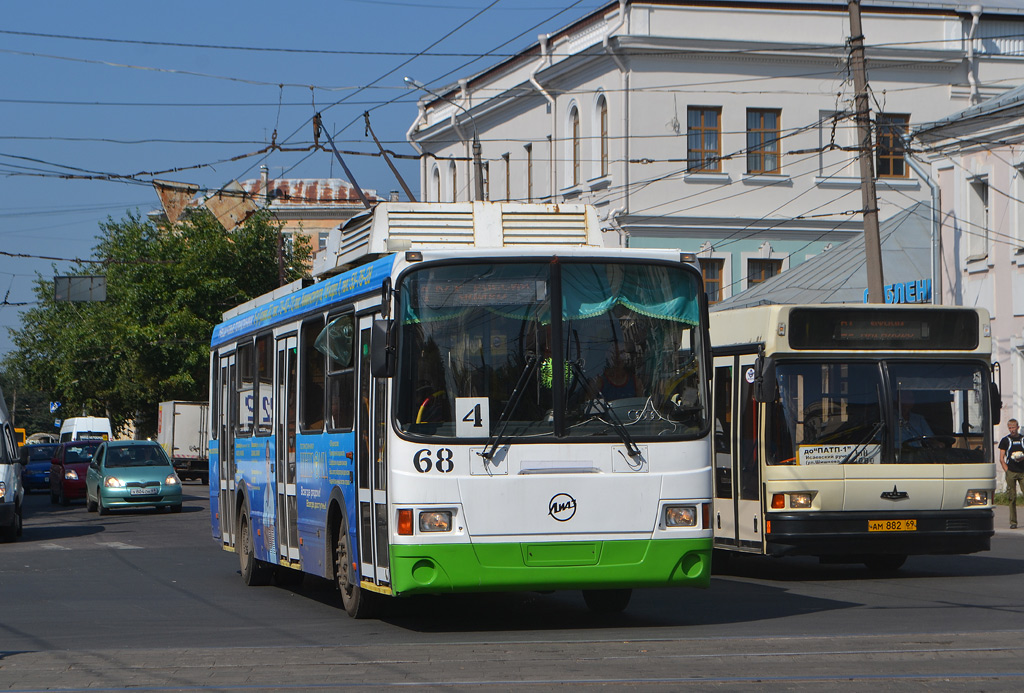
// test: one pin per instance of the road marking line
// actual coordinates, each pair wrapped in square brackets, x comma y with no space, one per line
[117,545]
[54,547]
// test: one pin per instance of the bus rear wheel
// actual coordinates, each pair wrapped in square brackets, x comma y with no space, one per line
[255,572]
[607,601]
[358,602]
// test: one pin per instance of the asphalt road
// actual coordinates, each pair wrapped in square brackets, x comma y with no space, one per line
[148,601]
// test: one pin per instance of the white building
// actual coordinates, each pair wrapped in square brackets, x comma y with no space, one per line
[977,156]
[717,127]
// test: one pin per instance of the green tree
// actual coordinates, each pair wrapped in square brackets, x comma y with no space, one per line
[167,287]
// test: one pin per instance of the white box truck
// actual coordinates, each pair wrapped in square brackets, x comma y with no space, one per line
[182,431]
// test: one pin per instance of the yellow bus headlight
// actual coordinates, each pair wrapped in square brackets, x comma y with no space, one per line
[976,497]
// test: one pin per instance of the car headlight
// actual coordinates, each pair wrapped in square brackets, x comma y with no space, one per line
[681,515]
[436,521]
[976,497]
[113,482]
[71,474]
[172,480]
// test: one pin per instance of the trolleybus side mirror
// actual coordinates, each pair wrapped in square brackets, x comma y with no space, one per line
[765,386]
[997,403]
[382,350]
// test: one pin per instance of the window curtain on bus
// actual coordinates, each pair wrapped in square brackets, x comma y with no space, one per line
[656,292]
[515,291]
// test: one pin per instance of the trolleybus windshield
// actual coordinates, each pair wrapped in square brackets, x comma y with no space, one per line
[879,412]
[627,332]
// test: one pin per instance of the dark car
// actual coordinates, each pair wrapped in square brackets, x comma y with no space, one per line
[68,469]
[35,466]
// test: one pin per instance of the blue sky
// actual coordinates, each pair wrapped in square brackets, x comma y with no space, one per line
[92,89]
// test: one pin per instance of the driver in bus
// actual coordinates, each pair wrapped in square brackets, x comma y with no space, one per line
[913,426]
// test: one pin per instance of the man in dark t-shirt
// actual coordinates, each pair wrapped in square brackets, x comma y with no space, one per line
[1011,458]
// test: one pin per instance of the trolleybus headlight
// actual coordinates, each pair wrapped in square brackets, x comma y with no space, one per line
[681,516]
[113,482]
[976,497]
[436,521]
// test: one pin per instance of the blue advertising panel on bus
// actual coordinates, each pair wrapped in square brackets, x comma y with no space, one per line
[358,282]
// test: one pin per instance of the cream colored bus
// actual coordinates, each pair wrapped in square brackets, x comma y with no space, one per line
[853,433]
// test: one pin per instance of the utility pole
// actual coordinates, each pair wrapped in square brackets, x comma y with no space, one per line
[869,198]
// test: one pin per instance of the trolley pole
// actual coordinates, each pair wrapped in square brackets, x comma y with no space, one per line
[869,197]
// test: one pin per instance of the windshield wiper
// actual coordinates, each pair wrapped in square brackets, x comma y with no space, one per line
[494,440]
[871,434]
[598,398]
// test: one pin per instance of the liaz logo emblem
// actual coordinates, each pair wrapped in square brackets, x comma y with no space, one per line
[895,495]
[562,507]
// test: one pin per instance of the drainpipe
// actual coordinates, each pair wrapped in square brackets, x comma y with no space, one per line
[936,221]
[624,77]
[545,59]
[971,79]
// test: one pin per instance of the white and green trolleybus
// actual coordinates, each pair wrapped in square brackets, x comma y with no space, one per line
[471,397]
[853,433]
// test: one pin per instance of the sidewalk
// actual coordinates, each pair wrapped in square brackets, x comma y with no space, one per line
[1002,520]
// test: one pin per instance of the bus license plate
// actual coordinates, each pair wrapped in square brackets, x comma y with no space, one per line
[892,525]
[143,491]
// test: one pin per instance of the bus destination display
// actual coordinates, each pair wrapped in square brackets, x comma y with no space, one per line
[867,328]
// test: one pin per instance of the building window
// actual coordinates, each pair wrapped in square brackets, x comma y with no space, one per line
[574,129]
[703,139]
[485,171]
[759,270]
[529,172]
[455,182]
[712,271]
[763,140]
[978,221]
[508,176]
[436,178]
[602,123]
[889,147]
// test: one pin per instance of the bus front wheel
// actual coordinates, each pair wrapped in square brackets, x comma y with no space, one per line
[607,601]
[357,601]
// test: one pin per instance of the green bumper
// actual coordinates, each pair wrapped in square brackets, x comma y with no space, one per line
[438,569]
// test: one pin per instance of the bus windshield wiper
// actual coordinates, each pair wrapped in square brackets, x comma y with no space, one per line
[494,440]
[597,397]
[857,448]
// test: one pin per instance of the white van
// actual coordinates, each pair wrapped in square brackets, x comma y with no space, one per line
[85,428]
[11,492]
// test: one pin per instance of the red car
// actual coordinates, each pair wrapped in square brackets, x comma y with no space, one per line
[68,468]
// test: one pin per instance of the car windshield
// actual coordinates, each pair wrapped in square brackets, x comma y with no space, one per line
[80,453]
[136,456]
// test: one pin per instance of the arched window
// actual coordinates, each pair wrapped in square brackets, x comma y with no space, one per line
[602,129]
[455,181]
[574,128]
[435,188]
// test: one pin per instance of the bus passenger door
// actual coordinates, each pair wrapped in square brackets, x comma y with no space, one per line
[747,467]
[228,416]
[371,470]
[724,444]
[285,426]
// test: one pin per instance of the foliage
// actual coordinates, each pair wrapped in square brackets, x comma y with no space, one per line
[167,287]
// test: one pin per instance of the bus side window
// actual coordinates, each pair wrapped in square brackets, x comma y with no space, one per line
[338,341]
[244,390]
[312,369]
